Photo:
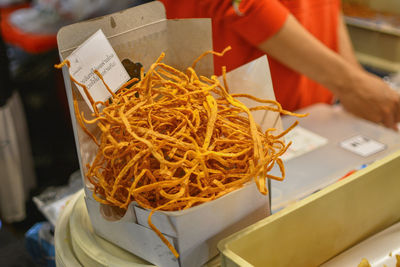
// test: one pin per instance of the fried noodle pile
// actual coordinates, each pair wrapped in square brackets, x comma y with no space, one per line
[173,139]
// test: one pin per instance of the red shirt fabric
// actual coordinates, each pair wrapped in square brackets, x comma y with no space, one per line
[245,24]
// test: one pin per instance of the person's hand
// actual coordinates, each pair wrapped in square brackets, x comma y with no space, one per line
[369,97]
[361,93]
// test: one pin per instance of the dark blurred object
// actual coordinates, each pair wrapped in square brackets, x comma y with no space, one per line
[12,250]
[5,81]
[42,91]
[133,69]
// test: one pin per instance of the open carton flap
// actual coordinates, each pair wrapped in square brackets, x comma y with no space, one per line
[254,78]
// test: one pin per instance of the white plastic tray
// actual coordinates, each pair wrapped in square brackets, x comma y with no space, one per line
[379,250]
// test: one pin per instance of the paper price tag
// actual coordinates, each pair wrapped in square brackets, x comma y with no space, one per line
[303,141]
[362,145]
[96,53]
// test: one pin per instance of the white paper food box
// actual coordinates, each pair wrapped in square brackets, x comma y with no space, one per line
[141,34]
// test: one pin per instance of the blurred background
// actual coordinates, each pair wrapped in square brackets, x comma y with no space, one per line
[38,161]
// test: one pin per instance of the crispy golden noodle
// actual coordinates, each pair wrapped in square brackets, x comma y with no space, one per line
[167,143]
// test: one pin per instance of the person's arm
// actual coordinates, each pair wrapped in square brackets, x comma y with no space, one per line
[361,93]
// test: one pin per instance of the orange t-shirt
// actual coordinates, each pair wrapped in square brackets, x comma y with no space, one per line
[245,24]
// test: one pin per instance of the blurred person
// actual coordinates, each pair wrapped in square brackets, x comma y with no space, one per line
[17,176]
[310,54]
